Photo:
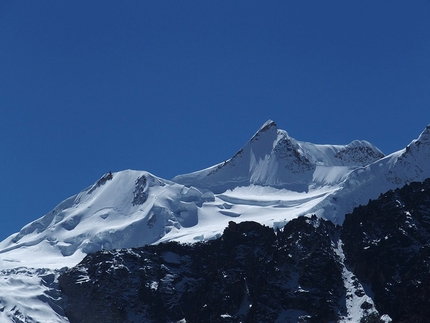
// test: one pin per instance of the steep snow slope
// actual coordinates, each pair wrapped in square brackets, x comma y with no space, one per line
[271,180]
[124,209]
[273,158]
[411,164]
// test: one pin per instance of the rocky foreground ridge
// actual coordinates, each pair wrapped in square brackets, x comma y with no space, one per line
[375,268]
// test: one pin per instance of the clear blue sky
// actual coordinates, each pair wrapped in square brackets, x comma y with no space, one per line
[175,86]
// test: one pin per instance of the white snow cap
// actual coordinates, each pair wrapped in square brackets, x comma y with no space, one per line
[274,178]
[273,158]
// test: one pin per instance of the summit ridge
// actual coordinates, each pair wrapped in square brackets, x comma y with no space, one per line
[273,158]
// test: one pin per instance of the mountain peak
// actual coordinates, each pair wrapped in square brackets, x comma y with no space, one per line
[273,180]
[272,158]
[424,137]
[422,143]
[268,127]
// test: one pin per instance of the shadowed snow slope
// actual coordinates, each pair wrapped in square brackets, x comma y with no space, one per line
[272,158]
[408,165]
[271,180]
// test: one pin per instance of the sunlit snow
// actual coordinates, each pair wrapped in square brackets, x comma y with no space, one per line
[271,180]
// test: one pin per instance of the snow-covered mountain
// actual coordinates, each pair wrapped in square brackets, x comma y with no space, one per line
[373,269]
[273,158]
[271,180]
[411,164]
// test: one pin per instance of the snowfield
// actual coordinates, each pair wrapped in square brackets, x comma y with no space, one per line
[271,180]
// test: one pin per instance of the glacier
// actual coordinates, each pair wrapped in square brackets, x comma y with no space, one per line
[274,178]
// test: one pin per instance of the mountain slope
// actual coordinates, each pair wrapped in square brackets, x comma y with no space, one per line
[250,274]
[278,177]
[272,180]
[309,271]
[393,171]
[273,158]
[125,209]
[386,242]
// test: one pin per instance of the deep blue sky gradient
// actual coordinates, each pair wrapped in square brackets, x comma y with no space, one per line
[175,86]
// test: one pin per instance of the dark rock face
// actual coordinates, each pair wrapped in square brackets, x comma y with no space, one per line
[139,194]
[253,274]
[250,274]
[386,243]
[294,161]
[102,181]
[360,155]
